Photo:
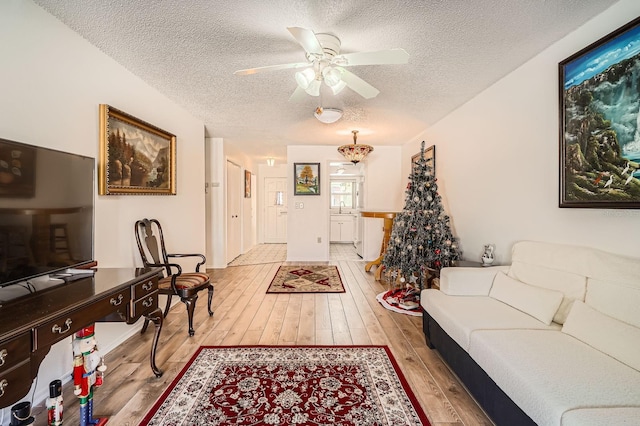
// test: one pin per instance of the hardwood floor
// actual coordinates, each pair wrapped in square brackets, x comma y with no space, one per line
[246,315]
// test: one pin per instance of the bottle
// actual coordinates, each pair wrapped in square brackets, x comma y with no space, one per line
[54,403]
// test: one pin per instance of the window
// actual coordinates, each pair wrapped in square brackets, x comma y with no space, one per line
[343,194]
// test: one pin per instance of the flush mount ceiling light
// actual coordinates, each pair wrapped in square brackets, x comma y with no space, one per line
[356,152]
[270,162]
[328,115]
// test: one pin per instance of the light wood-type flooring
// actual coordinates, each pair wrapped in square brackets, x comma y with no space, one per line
[246,315]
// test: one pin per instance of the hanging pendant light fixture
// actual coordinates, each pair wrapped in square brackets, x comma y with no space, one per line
[356,152]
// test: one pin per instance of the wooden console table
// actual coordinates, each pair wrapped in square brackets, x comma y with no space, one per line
[387,227]
[31,324]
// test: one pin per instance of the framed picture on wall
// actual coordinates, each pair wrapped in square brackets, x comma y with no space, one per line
[306,178]
[429,156]
[600,122]
[247,184]
[136,158]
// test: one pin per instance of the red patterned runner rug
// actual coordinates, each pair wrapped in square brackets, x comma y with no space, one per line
[307,279]
[300,385]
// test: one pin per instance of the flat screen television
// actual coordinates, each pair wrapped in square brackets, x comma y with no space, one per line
[46,211]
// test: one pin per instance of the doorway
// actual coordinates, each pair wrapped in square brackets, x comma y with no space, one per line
[275,210]
[235,189]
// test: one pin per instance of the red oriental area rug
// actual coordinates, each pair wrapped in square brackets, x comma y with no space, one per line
[306,279]
[301,385]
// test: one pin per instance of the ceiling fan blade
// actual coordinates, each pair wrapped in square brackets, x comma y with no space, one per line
[298,95]
[380,57]
[272,68]
[358,85]
[307,40]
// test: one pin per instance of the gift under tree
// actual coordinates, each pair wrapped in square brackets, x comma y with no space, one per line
[421,237]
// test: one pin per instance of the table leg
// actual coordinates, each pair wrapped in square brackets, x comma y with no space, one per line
[388,226]
[155,316]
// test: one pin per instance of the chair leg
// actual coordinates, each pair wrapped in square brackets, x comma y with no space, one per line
[168,305]
[144,327]
[190,302]
[210,296]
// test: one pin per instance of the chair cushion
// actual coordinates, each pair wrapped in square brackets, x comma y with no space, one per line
[186,280]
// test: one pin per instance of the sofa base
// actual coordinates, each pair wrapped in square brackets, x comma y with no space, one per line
[496,403]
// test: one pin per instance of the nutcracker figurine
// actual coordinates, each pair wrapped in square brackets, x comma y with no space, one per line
[88,368]
[54,404]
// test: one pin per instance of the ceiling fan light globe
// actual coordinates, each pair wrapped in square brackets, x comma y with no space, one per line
[338,87]
[305,78]
[314,88]
[331,76]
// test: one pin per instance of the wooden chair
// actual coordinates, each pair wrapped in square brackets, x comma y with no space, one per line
[175,282]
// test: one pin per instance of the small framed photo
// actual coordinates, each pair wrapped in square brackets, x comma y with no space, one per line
[306,179]
[247,184]
[136,158]
[599,142]
[429,156]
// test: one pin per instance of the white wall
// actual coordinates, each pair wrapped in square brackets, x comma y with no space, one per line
[384,191]
[308,227]
[305,226]
[217,153]
[52,83]
[497,159]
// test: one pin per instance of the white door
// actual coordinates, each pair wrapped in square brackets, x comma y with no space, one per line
[235,192]
[275,208]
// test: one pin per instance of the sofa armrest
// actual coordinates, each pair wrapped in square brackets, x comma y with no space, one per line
[468,281]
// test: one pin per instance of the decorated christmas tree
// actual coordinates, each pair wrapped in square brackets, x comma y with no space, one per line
[421,237]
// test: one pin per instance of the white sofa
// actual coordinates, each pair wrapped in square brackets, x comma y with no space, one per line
[552,339]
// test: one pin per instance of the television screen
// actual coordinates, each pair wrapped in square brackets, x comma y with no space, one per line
[46,211]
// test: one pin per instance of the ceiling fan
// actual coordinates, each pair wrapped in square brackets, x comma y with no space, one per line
[326,64]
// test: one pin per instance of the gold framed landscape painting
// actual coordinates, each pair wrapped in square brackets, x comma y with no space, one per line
[600,123]
[306,178]
[136,158]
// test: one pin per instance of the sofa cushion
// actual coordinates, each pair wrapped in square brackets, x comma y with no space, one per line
[619,416]
[572,269]
[468,281]
[540,303]
[604,333]
[460,316]
[551,266]
[619,300]
[547,373]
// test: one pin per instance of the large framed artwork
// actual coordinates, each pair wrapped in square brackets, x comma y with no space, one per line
[306,178]
[135,157]
[429,156]
[600,123]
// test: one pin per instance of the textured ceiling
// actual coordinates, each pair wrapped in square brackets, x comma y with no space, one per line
[189,49]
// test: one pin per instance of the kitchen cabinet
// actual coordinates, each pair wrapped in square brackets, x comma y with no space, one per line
[342,228]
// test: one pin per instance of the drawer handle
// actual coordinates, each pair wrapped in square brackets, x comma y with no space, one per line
[3,357]
[147,286]
[115,302]
[57,329]
[3,386]
[148,303]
